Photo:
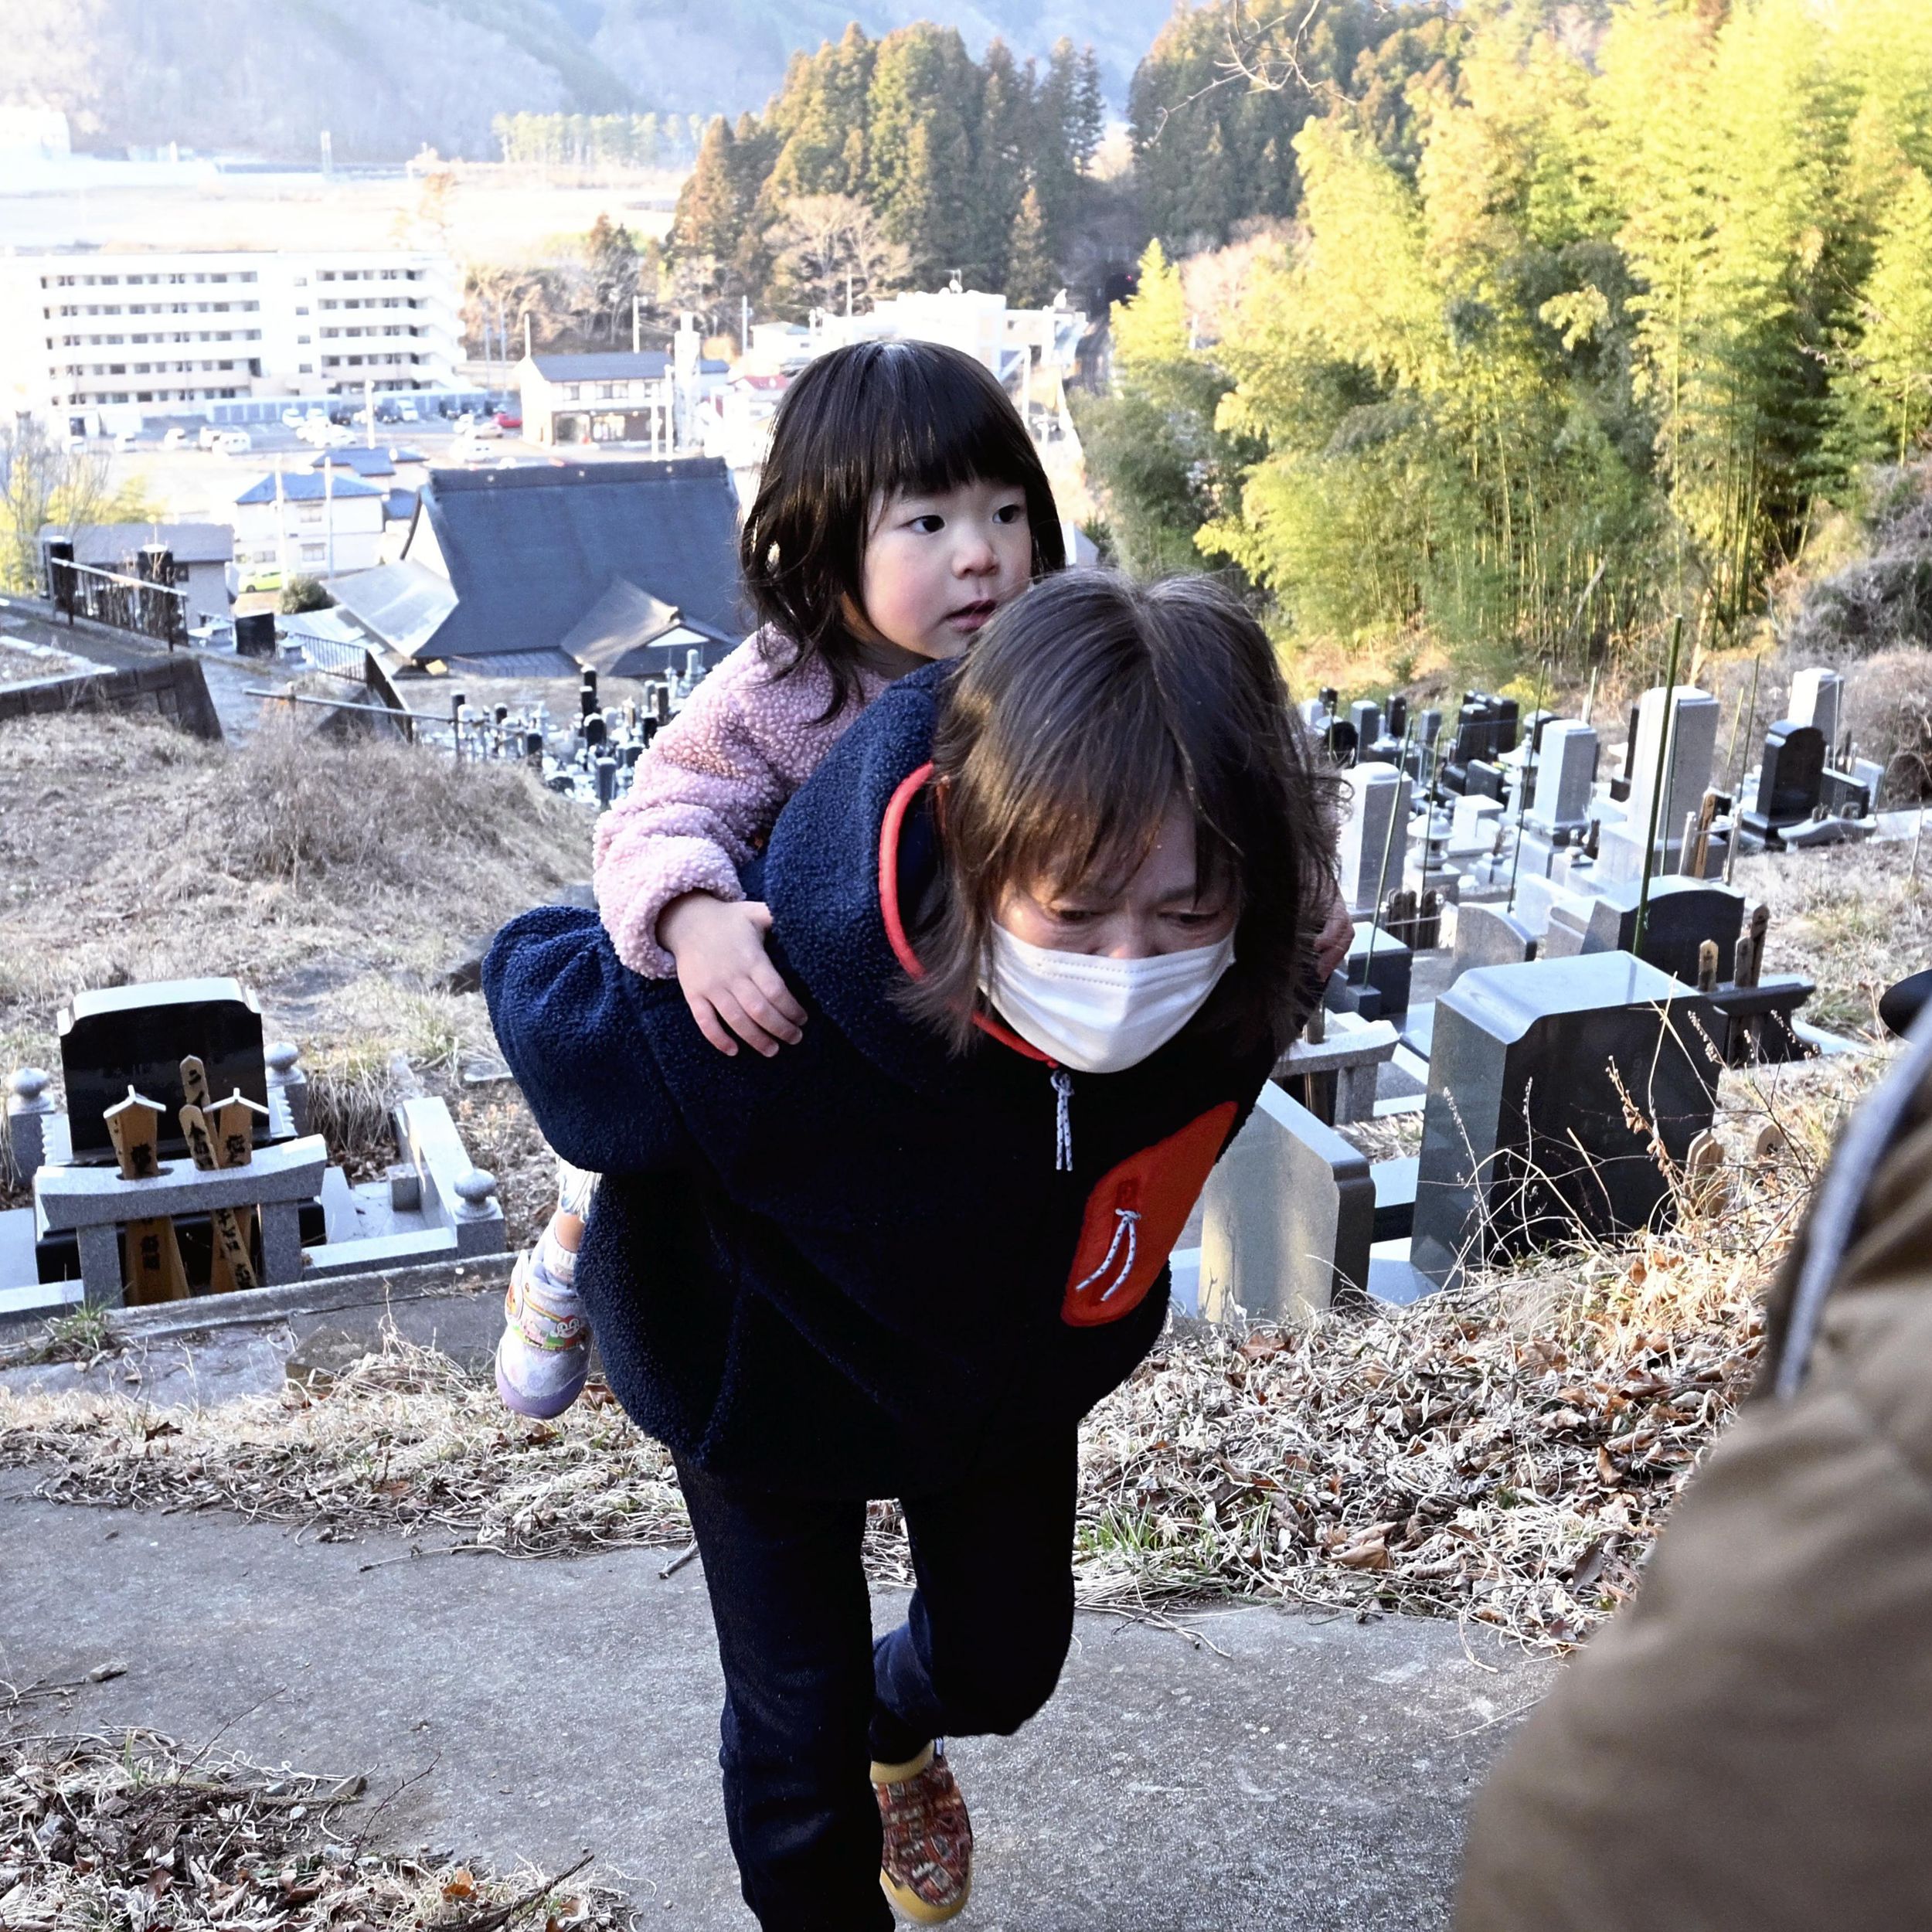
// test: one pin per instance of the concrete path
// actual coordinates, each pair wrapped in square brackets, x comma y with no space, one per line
[1282,1770]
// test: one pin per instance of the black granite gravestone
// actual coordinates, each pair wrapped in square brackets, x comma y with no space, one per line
[1683,913]
[1341,741]
[1789,779]
[1534,1072]
[117,1037]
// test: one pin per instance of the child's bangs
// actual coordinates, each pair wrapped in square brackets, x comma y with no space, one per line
[941,424]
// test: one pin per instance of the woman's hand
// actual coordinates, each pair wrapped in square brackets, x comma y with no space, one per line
[729,984]
[1337,934]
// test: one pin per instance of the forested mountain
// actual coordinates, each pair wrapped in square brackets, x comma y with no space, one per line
[898,162]
[266,76]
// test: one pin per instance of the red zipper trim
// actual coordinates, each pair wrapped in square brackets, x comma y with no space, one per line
[890,828]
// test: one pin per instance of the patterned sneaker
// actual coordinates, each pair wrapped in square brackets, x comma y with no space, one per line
[928,1867]
[544,1356]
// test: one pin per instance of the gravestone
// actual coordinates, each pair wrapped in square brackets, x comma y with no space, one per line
[1487,936]
[117,1037]
[1691,717]
[1288,1216]
[1377,958]
[1682,915]
[1374,846]
[1817,699]
[1565,770]
[1365,715]
[1526,1139]
[1791,779]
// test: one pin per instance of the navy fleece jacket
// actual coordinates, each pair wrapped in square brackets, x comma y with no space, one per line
[853,1267]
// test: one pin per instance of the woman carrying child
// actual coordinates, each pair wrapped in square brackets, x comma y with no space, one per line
[902,503]
[1046,916]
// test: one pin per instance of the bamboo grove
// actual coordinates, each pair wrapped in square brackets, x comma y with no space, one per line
[1640,288]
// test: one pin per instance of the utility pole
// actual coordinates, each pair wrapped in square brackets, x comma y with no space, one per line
[637,326]
[281,524]
[368,417]
[328,507]
[744,325]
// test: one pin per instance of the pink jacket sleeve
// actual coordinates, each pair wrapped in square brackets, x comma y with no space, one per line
[706,793]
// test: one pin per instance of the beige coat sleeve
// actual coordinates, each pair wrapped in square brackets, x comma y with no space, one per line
[1748,1748]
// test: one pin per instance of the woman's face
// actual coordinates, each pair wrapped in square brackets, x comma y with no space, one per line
[1156,910]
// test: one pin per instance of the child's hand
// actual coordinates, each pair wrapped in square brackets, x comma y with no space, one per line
[728,984]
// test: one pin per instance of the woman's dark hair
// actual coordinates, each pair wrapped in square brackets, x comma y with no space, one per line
[1084,709]
[858,427]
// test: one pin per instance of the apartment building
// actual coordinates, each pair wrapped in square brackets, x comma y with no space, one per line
[96,340]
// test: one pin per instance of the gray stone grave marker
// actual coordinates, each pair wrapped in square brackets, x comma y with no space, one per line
[1693,744]
[1376,830]
[1566,769]
[1817,698]
[1288,1217]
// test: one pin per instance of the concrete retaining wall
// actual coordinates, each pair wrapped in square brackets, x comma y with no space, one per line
[171,688]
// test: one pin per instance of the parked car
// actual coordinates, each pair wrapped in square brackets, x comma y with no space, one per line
[509,419]
[485,426]
[174,439]
[234,442]
[209,436]
[126,440]
[261,577]
[293,419]
[406,413]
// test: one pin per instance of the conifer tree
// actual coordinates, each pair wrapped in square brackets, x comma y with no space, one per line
[1032,278]
[1006,137]
[925,100]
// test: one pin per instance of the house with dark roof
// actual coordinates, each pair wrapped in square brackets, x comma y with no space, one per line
[624,396]
[198,555]
[539,571]
[370,464]
[309,523]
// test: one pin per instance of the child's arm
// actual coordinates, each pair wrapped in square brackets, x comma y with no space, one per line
[571,1020]
[668,857]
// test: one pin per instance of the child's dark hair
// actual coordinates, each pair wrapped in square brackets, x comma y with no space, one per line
[1082,711]
[859,425]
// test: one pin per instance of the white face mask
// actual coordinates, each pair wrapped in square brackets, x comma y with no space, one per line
[1098,1016]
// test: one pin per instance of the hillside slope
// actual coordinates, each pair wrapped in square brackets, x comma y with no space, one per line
[383,76]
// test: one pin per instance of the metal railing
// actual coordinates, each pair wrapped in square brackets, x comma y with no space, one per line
[149,609]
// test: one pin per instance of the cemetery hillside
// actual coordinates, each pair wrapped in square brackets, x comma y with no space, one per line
[969,963]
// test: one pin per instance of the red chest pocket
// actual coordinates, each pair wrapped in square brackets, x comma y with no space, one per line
[1135,1216]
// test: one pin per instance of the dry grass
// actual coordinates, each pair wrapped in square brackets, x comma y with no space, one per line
[131,1830]
[334,880]
[1852,918]
[1506,1453]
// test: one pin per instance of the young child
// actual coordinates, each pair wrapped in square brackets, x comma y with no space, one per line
[1047,911]
[902,503]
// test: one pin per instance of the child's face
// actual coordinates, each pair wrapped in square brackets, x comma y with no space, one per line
[937,566]
[1158,909]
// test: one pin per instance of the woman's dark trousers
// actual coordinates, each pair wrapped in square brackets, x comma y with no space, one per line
[810,1698]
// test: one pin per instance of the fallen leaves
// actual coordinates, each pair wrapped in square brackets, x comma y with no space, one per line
[129,1830]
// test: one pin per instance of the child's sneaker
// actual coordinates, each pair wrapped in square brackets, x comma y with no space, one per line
[544,1357]
[926,1868]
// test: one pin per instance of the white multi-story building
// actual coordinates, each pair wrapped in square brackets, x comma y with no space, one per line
[95,339]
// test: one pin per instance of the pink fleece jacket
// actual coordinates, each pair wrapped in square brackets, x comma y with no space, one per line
[709,790]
